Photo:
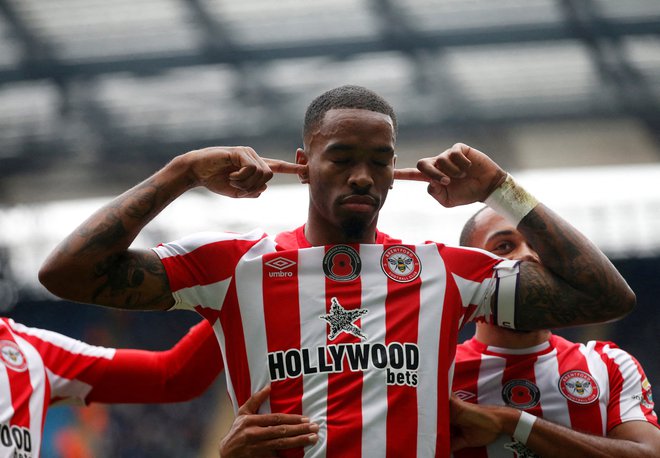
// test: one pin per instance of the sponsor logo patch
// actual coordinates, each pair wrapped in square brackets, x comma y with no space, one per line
[521,394]
[401,264]
[342,320]
[12,356]
[579,387]
[342,263]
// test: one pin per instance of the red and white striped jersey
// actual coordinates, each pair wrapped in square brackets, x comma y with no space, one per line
[41,368]
[589,388]
[38,369]
[360,338]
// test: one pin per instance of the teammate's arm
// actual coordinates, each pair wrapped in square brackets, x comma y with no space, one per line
[176,375]
[574,276]
[94,263]
[477,425]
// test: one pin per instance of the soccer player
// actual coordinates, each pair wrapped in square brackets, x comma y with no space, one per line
[39,369]
[578,400]
[351,327]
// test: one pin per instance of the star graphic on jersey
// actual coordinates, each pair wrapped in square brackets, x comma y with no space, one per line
[520,450]
[341,320]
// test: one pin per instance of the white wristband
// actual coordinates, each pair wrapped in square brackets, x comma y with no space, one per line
[524,427]
[511,201]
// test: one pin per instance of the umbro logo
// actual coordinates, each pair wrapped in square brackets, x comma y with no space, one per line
[280,264]
[464,395]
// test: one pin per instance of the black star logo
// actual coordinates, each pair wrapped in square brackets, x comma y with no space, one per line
[341,320]
[520,450]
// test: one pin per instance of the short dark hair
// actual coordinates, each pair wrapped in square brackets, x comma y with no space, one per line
[347,96]
[468,229]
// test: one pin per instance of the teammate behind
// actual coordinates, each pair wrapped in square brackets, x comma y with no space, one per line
[579,401]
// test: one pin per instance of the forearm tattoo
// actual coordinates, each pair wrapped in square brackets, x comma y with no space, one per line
[120,277]
[576,285]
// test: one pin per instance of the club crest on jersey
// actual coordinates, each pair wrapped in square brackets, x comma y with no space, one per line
[342,320]
[579,387]
[12,356]
[521,394]
[342,263]
[401,264]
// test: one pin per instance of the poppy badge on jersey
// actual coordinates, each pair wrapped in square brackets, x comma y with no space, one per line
[521,394]
[12,356]
[401,264]
[579,387]
[342,263]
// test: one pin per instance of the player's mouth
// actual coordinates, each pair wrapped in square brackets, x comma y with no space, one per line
[359,203]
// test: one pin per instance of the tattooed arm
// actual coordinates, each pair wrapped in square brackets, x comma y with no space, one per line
[94,263]
[573,284]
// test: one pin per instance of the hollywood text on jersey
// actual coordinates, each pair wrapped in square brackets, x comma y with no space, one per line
[400,360]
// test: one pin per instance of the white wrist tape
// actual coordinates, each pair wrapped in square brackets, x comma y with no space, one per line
[524,427]
[511,201]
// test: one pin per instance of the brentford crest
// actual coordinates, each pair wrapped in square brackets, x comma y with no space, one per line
[12,356]
[579,387]
[401,264]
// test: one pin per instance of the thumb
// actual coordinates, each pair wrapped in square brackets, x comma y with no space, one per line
[252,405]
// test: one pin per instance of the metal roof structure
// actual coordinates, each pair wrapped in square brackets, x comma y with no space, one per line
[94,93]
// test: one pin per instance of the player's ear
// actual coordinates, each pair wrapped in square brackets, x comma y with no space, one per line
[393,167]
[301,158]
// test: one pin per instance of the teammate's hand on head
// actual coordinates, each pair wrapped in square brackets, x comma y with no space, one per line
[461,175]
[260,435]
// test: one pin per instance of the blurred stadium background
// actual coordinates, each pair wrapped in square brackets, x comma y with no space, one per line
[96,95]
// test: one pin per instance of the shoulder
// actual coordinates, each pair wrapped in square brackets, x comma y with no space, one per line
[208,240]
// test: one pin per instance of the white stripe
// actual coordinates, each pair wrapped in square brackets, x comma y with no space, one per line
[432,299]
[211,295]
[68,344]
[38,398]
[73,391]
[554,406]
[632,385]
[249,289]
[374,388]
[489,389]
[191,242]
[219,334]
[598,369]
[311,286]
[6,407]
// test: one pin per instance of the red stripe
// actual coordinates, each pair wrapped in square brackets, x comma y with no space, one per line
[402,325]
[451,312]
[207,264]
[584,417]
[20,386]
[466,378]
[62,362]
[235,352]
[344,408]
[282,311]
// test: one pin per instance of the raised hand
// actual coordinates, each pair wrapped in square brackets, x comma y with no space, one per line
[254,435]
[234,171]
[460,175]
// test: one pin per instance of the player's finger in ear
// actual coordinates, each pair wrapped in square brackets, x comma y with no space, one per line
[278,166]
[409,174]
[251,406]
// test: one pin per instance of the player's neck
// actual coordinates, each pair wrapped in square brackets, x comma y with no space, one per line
[504,338]
[320,233]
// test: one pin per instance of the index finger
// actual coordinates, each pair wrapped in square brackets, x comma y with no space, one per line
[278,166]
[411,174]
